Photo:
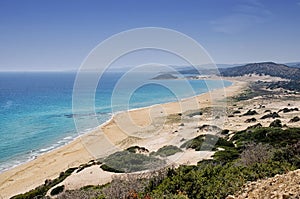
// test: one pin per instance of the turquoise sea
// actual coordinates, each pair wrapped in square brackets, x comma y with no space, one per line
[36,109]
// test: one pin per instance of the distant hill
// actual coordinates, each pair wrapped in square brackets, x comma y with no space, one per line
[165,76]
[206,69]
[264,68]
[293,64]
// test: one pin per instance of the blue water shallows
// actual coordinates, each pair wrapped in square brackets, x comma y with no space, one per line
[36,109]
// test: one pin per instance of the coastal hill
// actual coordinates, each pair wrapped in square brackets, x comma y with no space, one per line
[164,76]
[263,68]
[293,64]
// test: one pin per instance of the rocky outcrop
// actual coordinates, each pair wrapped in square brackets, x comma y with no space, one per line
[281,186]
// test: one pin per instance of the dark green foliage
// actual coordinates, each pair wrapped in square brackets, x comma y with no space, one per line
[110,169]
[89,164]
[292,85]
[215,181]
[135,149]
[290,154]
[224,143]
[287,110]
[166,151]
[131,162]
[270,115]
[194,143]
[57,190]
[250,112]
[227,155]
[295,119]
[276,123]
[224,132]
[41,191]
[250,120]
[276,137]
[258,125]
[206,142]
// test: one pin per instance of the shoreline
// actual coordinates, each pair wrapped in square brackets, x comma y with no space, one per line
[74,153]
[32,155]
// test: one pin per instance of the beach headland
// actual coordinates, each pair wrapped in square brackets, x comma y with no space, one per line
[114,135]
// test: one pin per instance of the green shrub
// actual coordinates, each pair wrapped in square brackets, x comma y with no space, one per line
[224,132]
[295,119]
[207,142]
[125,161]
[227,155]
[134,149]
[57,190]
[270,115]
[276,123]
[167,151]
[250,112]
[110,169]
[276,137]
[215,181]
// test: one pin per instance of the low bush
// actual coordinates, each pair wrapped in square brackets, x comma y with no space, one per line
[236,112]
[227,155]
[57,190]
[295,119]
[215,181]
[166,151]
[250,112]
[276,137]
[135,149]
[270,115]
[104,167]
[276,123]
[250,120]
[125,161]
[207,142]
[224,132]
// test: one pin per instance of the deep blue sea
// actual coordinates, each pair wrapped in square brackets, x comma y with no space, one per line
[36,109]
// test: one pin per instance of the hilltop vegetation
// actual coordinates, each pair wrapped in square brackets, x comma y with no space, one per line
[264,68]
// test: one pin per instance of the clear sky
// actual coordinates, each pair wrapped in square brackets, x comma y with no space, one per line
[58,34]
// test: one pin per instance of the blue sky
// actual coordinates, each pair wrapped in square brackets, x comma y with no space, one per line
[59,34]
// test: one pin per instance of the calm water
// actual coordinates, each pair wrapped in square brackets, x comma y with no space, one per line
[36,109]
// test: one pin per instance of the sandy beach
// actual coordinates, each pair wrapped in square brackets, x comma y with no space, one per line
[150,127]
